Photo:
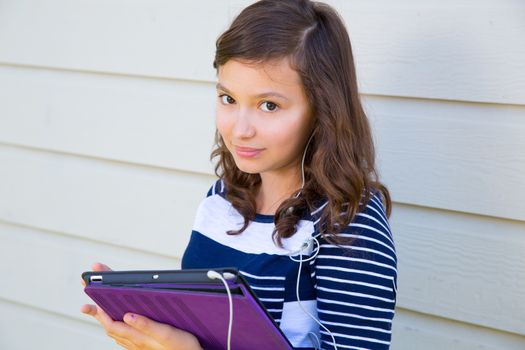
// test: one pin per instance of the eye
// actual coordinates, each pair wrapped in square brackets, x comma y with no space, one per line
[228,99]
[271,106]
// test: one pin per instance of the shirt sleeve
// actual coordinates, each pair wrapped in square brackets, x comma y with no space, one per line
[216,187]
[357,285]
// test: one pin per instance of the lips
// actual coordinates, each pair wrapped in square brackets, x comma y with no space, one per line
[248,149]
[248,152]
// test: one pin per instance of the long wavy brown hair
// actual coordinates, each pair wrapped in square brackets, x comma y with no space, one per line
[339,164]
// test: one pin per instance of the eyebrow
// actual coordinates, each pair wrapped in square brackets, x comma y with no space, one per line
[219,86]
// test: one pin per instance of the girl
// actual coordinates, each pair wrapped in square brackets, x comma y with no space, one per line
[297,207]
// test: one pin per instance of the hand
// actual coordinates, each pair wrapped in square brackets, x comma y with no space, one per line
[138,332]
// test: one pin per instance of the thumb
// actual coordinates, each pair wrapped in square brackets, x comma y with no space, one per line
[138,322]
[147,326]
[162,333]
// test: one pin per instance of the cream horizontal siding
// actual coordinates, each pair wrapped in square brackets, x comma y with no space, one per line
[106,125]
[145,120]
[460,266]
[442,50]
[416,331]
[452,155]
[28,327]
[129,119]
[143,208]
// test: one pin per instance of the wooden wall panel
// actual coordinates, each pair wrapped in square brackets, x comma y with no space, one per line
[429,50]
[420,143]
[463,267]
[416,331]
[454,156]
[129,206]
[31,328]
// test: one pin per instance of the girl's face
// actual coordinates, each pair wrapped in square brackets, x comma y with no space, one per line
[263,116]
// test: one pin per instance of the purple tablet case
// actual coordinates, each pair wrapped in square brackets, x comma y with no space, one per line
[188,300]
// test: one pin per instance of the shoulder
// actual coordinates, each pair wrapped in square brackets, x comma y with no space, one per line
[217,187]
[214,199]
[213,206]
[211,201]
[371,248]
[372,223]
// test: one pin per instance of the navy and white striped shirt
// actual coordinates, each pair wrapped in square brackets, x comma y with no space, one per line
[353,294]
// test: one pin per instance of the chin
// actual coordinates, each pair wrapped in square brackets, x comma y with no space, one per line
[248,168]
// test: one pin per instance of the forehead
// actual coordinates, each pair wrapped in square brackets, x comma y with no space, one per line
[276,75]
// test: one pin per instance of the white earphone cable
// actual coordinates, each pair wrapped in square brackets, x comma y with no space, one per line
[304,246]
[215,275]
[302,164]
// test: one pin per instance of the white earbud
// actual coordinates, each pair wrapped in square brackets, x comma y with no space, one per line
[305,248]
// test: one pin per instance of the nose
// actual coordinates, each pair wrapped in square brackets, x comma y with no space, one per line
[243,127]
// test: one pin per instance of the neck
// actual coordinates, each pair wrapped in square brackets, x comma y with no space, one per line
[274,189]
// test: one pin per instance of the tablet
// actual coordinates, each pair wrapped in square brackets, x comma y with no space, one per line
[189,300]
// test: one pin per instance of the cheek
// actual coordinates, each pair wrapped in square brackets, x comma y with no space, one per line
[285,136]
[223,123]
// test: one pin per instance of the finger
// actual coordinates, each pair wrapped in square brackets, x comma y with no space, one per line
[88,309]
[124,334]
[149,327]
[100,267]
[125,343]
[132,337]
[122,331]
[103,317]
[109,325]
[164,334]
[99,314]
[83,282]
